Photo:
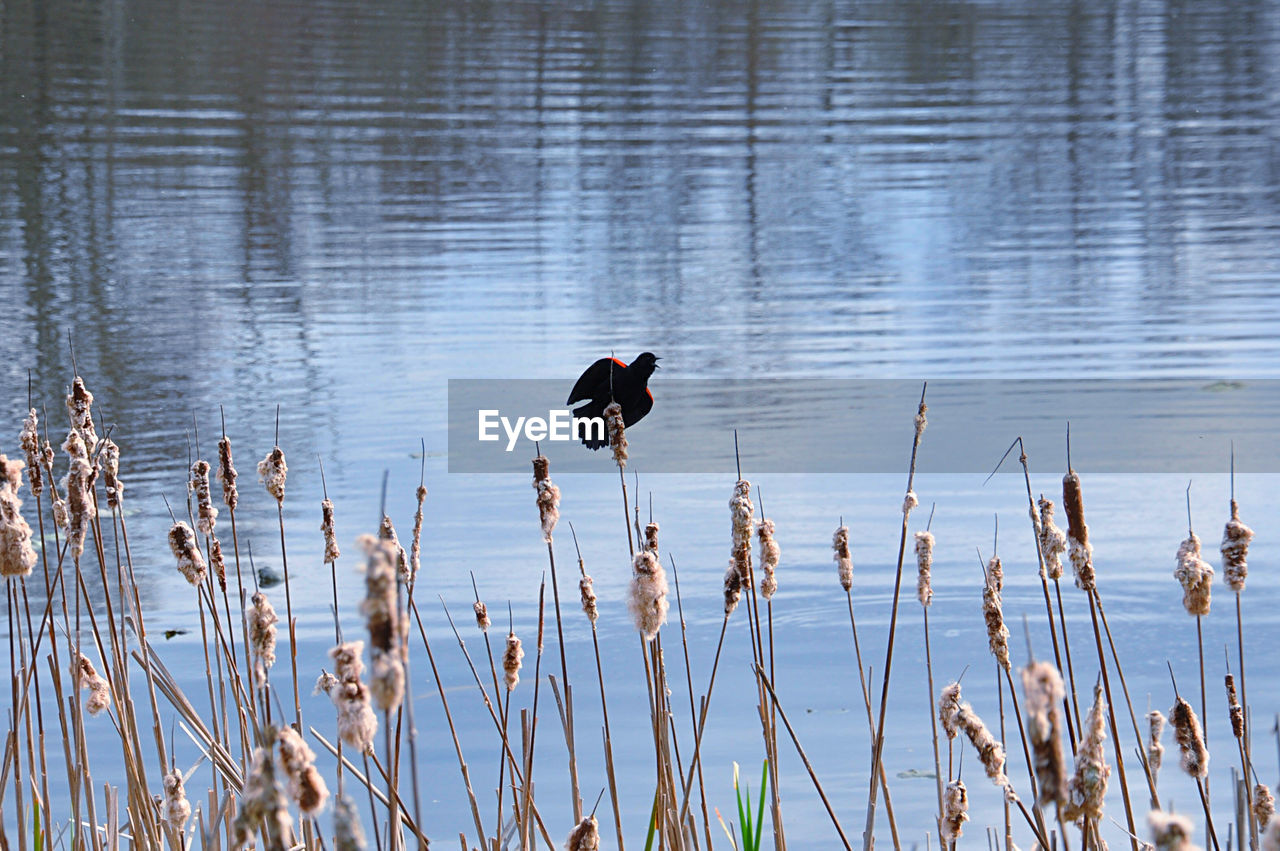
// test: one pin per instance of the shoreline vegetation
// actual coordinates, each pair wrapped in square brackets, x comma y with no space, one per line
[1055,752]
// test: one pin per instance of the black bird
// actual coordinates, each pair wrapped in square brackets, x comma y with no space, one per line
[607,380]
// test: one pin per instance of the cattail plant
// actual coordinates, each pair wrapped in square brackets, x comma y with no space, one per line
[924,567]
[182,543]
[80,409]
[399,558]
[227,474]
[512,661]
[588,595]
[548,496]
[1271,839]
[1264,805]
[741,513]
[357,724]
[263,806]
[1053,541]
[273,472]
[415,546]
[98,688]
[648,597]
[617,433]
[1087,788]
[1196,576]
[111,473]
[1190,738]
[955,810]
[990,751]
[1155,750]
[331,550]
[177,809]
[348,835]
[297,761]
[1234,710]
[78,485]
[1044,689]
[482,616]
[262,620]
[382,614]
[585,836]
[30,440]
[17,555]
[732,589]
[1170,832]
[770,554]
[949,710]
[1080,550]
[1235,550]
[993,613]
[843,558]
[206,513]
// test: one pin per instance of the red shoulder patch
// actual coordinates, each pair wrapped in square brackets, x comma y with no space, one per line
[618,362]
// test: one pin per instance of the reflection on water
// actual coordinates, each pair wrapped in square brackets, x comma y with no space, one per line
[337,207]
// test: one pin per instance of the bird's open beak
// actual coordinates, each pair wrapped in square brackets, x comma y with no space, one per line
[655,363]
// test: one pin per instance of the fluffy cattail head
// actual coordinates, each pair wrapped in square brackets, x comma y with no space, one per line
[30,438]
[111,473]
[218,563]
[1271,839]
[98,688]
[206,513]
[843,559]
[511,661]
[1087,788]
[732,588]
[909,502]
[924,567]
[1234,709]
[770,554]
[482,615]
[548,496]
[990,751]
[1235,549]
[617,433]
[648,598]
[382,617]
[272,471]
[993,612]
[357,724]
[921,421]
[78,483]
[948,710]
[182,543]
[17,555]
[227,474]
[1170,832]
[1196,576]
[1053,541]
[651,537]
[80,409]
[331,551]
[1155,750]
[387,534]
[415,547]
[176,807]
[1264,805]
[297,763]
[263,806]
[584,837]
[262,619]
[348,835]
[1044,689]
[955,810]
[1190,737]
[1081,551]
[742,514]
[588,598]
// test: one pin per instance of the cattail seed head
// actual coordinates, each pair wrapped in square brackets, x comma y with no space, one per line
[60,516]
[1170,832]
[80,409]
[262,619]
[1053,541]
[17,554]
[511,661]
[30,438]
[909,502]
[182,542]
[1234,709]
[331,551]
[924,567]
[1196,576]
[1044,689]
[98,688]
[206,513]
[415,546]
[732,588]
[387,533]
[921,421]
[176,807]
[1264,805]
[990,751]
[1271,839]
[78,483]
[348,835]
[742,514]
[1155,750]
[548,496]
[297,762]
[993,612]
[584,837]
[648,598]
[227,474]
[482,616]
[770,554]
[263,805]
[1081,551]
[843,559]
[1190,738]
[588,598]
[949,709]
[955,812]
[651,537]
[357,724]
[617,433]
[272,472]
[111,472]
[382,617]
[1235,550]
[218,563]
[1087,788]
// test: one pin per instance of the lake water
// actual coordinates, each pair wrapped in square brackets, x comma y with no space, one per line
[337,207]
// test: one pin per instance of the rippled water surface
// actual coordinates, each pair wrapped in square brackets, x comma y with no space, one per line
[337,207]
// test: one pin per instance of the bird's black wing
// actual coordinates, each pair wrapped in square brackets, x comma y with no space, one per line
[594,382]
[636,408]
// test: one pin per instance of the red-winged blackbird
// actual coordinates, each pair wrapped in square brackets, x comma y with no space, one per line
[609,379]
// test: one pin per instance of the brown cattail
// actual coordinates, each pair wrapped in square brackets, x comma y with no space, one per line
[382,617]
[262,619]
[387,533]
[206,514]
[17,555]
[227,474]
[993,612]
[176,807]
[1087,788]
[263,805]
[111,473]
[1155,750]
[843,559]
[741,513]
[651,538]
[949,709]
[30,438]
[1234,709]
[78,484]
[1081,551]
[298,763]
[511,660]
[1190,738]
[648,599]
[584,837]
[548,496]
[1235,549]
[1053,541]
[80,409]
[415,547]
[98,688]
[482,616]
[60,516]
[357,724]
[1170,832]
[1264,804]
[732,589]
[990,751]
[588,598]
[617,433]
[1044,689]
[272,472]
[331,551]
[955,810]
[770,553]
[921,421]
[182,542]
[218,563]
[348,835]
[924,567]
[1196,576]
